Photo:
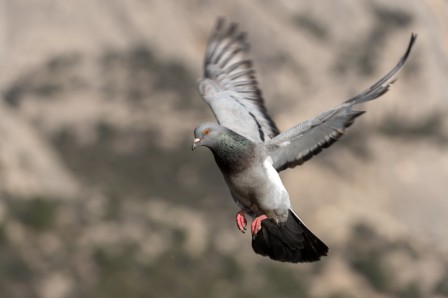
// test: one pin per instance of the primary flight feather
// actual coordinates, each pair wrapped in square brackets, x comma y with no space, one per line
[250,151]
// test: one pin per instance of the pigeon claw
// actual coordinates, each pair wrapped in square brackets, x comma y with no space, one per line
[256,224]
[241,221]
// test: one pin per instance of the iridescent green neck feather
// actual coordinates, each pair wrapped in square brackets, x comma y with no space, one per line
[233,152]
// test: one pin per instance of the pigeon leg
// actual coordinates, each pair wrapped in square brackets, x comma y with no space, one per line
[241,221]
[256,224]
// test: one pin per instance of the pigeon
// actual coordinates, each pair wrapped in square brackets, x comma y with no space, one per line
[250,151]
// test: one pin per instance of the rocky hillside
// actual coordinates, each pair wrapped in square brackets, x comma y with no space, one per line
[101,196]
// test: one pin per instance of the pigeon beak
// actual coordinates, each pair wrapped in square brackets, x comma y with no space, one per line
[195,143]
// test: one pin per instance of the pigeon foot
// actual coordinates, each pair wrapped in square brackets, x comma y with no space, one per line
[256,224]
[241,221]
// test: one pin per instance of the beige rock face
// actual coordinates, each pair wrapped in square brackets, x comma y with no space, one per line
[29,166]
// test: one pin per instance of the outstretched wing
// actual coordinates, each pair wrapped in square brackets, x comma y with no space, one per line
[301,142]
[230,88]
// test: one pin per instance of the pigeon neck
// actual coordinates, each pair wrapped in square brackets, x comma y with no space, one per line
[233,152]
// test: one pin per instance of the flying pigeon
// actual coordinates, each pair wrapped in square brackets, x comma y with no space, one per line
[250,151]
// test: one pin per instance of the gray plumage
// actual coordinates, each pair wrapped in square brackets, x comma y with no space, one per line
[250,151]
[230,88]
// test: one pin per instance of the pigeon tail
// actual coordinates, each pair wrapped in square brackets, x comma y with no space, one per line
[290,242]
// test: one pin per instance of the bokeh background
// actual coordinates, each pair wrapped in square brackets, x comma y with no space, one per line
[101,196]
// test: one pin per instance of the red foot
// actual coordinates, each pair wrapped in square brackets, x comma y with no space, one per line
[256,224]
[241,221]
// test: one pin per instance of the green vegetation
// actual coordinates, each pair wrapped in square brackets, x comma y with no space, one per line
[137,74]
[410,291]
[311,25]
[429,128]
[441,287]
[38,213]
[367,256]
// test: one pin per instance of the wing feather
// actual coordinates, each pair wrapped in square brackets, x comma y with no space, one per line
[301,142]
[230,87]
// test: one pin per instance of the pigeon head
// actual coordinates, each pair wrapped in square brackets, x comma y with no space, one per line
[206,134]
[232,151]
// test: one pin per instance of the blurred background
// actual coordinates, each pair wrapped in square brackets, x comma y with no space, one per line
[101,196]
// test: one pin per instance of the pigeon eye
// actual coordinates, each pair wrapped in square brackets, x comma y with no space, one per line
[206,131]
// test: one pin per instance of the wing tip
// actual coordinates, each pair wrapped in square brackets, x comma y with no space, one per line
[412,40]
[383,85]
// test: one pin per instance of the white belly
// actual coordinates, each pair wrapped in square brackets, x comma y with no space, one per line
[276,196]
[260,190]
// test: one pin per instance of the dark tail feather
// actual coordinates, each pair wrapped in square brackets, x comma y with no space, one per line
[288,242]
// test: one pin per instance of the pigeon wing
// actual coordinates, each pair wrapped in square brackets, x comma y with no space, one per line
[230,88]
[301,142]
